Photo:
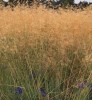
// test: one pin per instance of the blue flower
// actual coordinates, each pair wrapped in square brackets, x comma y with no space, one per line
[43,92]
[18,90]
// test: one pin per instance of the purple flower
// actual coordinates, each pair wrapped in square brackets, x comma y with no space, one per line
[85,84]
[18,90]
[43,92]
[82,85]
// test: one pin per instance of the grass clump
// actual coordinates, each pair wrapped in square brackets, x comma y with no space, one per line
[44,64]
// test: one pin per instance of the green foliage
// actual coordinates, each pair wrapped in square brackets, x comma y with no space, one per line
[68,2]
